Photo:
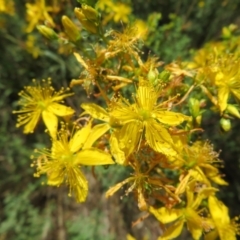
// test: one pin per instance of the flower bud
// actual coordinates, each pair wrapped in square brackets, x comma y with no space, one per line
[164,75]
[87,24]
[47,32]
[233,110]
[90,13]
[199,119]
[194,107]
[152,76]
[70,29]
[225,124]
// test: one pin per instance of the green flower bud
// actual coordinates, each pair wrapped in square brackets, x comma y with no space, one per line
[90,13]
[87,24]
[233,110]
[152,76]
[71,29]
[194,107]
[164,75]
[47,32]
[225,124]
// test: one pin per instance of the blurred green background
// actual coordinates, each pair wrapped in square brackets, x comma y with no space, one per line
[30,210]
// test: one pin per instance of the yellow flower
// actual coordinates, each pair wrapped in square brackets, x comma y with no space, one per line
[224,228]
[198,160]
[37,12]
[68,153]
[121,12]
[117,11]
[103,4]
[126,42]
[196,224]
[100,113]
[42,100]
[225,74]
[7,6]
[145,118]
[142,29]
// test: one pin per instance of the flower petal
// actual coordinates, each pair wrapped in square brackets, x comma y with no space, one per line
[158,138]
[95,111]
[55,177]
[165,215]
[77,183]
[51,122]
[116,152]
[92,157]
[31,122]
[218,210]
[60,110]
[195,230]
[129,136]
[223,93]
[80,138]
[146,97]
[123,112]
[212,235]
[169,118]
[96,132]
[173,231]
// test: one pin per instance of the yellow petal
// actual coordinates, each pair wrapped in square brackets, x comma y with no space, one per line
[123,113]
[190,197]
[116,152]
[165,215]
[130,237]
[195,230]
[30,126]
[146,97]
[173,231]
[60,110]
[223,93]
[227,232]
[212,235]
[169,118]
[51,122]
[96,132]
[219,213]
[80,60]
[58,98]
[129,136]
[77,183]
[219,180]
[92,157]
[213,173]
[218,210]
[79,138]
[58,149]
[55,177]
[158,138]
[195,223]
[95,111]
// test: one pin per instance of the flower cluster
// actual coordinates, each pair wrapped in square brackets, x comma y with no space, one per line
[147,122]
